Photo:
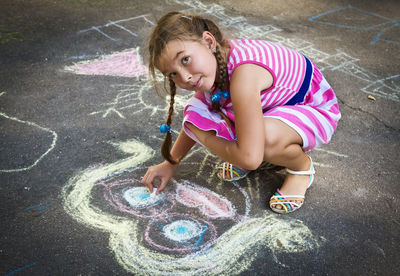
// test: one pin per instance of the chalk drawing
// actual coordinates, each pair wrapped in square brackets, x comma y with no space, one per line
[38,209]
[119,24]
[182,234]
[138,98]
[120,192]
[31,124]
[211,204]
[183,230]
[369,21]
[140,198]
[388,87]
[122,64]
[21,268]
[202,249]
[379,36]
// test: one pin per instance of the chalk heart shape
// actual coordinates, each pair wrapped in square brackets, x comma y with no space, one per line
[208,202]
[231,253]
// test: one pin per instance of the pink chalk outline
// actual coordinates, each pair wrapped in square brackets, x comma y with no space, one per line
[210,204]
[123,64]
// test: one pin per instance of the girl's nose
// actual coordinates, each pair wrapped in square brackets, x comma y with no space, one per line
[186,76]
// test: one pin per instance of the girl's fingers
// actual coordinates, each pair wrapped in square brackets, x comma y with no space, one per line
[148,181]
[162,186]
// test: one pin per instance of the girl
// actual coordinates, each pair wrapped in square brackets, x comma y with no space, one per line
[254,101]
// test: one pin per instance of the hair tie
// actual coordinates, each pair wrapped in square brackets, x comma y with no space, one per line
[217,96]
[187,17]
[165,128]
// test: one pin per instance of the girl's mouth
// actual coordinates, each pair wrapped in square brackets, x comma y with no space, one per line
[197,85]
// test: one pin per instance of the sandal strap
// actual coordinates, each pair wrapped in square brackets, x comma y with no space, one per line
[311,171]
[230,171]
[277,198]
[287,202]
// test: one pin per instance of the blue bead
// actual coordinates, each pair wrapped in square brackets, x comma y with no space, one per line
[216,98]
[164,128]
[226,94]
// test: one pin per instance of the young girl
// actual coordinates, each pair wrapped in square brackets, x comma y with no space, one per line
[254,101]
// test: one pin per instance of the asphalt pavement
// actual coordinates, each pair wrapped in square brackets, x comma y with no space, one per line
[80,121]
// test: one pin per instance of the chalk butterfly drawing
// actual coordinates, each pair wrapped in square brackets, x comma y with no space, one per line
[187,230]
[191,228]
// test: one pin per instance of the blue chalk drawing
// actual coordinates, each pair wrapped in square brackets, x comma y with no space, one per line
[38,207]
[378,36]
[21,268]
[388,22]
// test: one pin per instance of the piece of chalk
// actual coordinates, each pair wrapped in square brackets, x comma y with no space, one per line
[153,194]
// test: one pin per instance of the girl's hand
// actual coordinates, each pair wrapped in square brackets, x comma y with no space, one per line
[163,171]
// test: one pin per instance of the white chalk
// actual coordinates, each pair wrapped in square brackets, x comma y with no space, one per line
[153,194]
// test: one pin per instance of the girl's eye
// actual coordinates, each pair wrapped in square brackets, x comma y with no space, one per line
[185,60]
[172,75]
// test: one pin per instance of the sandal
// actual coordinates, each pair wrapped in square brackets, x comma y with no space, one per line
[288,201]
[231,172]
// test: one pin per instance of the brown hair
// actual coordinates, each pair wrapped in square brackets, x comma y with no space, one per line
[175,25]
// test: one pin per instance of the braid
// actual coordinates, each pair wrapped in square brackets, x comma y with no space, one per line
[166,146]
[222,82]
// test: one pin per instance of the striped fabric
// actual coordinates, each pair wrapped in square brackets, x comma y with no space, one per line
[315,117]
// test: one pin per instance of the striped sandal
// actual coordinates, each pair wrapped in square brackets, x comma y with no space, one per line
[230,172]
[287,202]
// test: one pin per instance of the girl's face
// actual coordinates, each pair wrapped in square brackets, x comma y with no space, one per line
[190,64]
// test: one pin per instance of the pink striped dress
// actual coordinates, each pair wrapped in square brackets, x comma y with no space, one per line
[300,96]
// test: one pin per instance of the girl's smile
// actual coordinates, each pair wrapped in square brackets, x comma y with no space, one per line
[190,64]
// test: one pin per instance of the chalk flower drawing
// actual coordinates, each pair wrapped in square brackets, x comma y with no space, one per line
[172,242]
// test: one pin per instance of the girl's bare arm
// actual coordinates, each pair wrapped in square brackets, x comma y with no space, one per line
[165,170]
[247,81]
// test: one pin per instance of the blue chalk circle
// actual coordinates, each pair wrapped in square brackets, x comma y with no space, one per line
[139,198]
[144,196]
[182,230]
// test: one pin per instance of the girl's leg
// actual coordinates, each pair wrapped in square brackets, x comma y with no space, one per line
[283,148]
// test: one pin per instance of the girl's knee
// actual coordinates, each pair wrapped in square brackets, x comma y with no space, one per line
[278,136]
[273,146]
[275,140]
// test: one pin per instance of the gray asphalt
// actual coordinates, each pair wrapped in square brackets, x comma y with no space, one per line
[74,143]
